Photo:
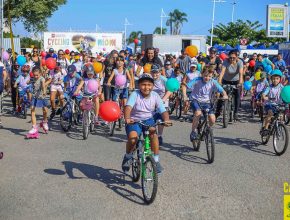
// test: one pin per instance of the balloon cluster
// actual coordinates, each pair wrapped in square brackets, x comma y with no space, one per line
[137,42]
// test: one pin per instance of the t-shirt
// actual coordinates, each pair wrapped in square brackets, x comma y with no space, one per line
[37,88]
[86,85]
[108,71]
[203,91]
[23,81]
[79,66]
[49,56]
[178,77]
[144,108]
[64,63]
[55,77]
[169,72]
[261,85]
[160,86]
[280,63]
[184,63]
[215,63]
[122,73]
[273,93]
[72,82]
[232,71]
[192,75]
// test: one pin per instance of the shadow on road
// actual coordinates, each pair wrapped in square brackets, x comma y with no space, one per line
[16,131]
[183,152]
[248,144]
[113,179]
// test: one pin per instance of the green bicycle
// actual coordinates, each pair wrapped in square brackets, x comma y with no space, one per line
[144,165]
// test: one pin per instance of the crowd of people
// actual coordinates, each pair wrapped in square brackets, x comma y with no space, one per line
[144,95]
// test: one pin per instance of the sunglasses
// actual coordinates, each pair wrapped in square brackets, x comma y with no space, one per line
[60,54]
[232,58]
[35,51]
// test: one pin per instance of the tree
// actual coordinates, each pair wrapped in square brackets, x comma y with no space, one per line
[133,36]
[32,13]
[170,21]
[158,30]
[179,19]
[27,42]
[234,31]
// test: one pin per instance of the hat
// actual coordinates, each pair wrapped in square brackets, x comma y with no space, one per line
[193,64]
[51,50]
[167,63]
[155,68]
[71,69]
[144,77]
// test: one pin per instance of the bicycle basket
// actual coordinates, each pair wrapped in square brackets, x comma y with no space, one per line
[86,104]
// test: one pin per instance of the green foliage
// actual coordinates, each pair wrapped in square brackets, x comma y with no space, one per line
[158,30]
[234,31]
[27,42]
[133,36]
[32,13]
[175,21]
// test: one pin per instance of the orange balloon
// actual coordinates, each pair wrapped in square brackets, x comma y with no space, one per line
[67,56]
[147,68]
[98,67]
[192,51]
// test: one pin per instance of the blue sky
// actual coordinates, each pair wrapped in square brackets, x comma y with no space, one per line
[83,15]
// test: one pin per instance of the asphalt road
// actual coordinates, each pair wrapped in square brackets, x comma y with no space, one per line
[61,176]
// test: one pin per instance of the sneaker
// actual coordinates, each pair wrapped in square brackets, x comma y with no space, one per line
[52,115]
[159,168]
[193,136]
[45,126]
[33,130]
[160,139]
[126,163]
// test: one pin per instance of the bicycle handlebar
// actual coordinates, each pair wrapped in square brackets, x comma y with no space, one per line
[158,122]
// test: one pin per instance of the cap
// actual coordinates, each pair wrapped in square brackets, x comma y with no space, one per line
[155,68]
[193,64]
[71,69]
[144,77]
[265,55]
[51,50]
[167,63]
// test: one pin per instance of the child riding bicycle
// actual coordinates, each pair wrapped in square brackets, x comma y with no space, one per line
[202,90]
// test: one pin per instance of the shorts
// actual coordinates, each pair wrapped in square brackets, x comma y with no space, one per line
[39,103]
[202,106]
[272,107]
[138,128]
[120,93]
[56,88]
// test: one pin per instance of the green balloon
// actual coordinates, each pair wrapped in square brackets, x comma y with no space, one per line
[285,94]
[172,85]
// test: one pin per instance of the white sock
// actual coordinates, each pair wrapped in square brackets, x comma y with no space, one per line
[156,157]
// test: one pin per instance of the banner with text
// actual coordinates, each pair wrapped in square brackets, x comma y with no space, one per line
[277,21]
[90,42]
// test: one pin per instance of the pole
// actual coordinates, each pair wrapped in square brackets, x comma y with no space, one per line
[233,11]
[286,5]
[125,35]
[2,28]
[11,33]
[212,23]
[161,18]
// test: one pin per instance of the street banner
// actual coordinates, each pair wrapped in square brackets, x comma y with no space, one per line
[277,21]
[78,41]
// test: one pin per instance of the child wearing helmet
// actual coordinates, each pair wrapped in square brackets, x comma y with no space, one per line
[272,98]
[55,79]
[72,79]
[22,81]
[90,86]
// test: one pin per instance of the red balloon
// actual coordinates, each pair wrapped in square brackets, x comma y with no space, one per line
[223,56]
[110,111]
[50,63]
[43,62]
[252,63]
[66,51]
[43,53]
[136,41]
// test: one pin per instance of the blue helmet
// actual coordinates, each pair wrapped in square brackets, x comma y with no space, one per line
[276,72]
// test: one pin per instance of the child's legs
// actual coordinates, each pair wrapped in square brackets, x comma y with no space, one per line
[97,105]
[132,141]
[52,99]
[33,116]
[154,140]
[211,119]
[44,110]
[60,97]
[268,119]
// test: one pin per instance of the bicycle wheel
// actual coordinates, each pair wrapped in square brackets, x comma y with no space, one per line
[261,113]
[66,117]
[231,109]
[86,124]
[149,180]
[92,121]
[286,118]
[280,139]
[209,143]
[225,114]
[172,104]
[178,109]
[24,110]
[136,167]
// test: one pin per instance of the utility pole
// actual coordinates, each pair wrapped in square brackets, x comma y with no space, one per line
[233,11]
[163,15]
[212,22]
[125,25]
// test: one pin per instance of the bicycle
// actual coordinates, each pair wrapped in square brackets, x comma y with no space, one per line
[286,116]
[205,133]
[144,165]
[25,103]
[228,105]
[88,115]
[176,103]
[278,130]
[70,113]
[259,107]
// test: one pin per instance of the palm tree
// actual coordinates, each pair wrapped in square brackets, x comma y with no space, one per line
[158,30]
[179,18]
[133,36]
[170,21]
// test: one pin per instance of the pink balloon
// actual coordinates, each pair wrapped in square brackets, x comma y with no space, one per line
[93,86]
[120,80]
[5,55]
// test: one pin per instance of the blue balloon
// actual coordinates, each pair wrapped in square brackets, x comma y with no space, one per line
[247,85]
[268,69]
[139,43]
[199,67]
[21,60]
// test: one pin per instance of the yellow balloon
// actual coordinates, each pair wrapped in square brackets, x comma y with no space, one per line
[147,68]
[204,54]
[98,67]
[192,51]
[258,75]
